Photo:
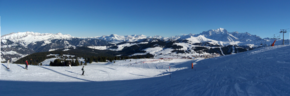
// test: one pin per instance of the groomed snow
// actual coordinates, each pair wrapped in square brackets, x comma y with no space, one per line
[120,70]
[260,72]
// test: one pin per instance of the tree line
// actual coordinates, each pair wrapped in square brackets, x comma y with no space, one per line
[59,62]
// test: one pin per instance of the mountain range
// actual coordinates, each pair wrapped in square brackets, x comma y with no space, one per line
[20,44]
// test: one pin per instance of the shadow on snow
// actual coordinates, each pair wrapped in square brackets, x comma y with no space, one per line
[7,69]
[66,74]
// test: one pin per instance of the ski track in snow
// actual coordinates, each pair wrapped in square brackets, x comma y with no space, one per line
[259,72]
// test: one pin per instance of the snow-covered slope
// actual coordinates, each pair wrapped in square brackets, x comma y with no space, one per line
[122,46]
[261,72]
[121,70]
[98,47]
[199,39]
[255,73]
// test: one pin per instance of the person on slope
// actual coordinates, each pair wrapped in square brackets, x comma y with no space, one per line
[83,70]
[191,65]
[31,61]
[26,67]
[69,64]
[8,64]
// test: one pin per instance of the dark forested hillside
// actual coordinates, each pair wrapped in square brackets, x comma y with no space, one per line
[83,52]
[133,47]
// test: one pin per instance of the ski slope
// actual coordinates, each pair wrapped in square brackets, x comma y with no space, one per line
[121,70]
[260,72]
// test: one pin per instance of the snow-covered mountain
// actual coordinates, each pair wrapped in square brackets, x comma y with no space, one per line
[26,38]
[220,34]
[16,45]
[25,43]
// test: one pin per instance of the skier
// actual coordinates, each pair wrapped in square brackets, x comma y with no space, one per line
[8,64]
[191,65]
[31,61]
[83,70]
[26,67]
[69,64]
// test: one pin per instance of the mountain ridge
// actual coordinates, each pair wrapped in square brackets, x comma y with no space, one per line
[114,38]
[25,43]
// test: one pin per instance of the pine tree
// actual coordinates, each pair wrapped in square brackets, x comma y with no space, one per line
[90,60]
[104,59]
[94,59]
[77,62]
[99,59]
[57,62]
[51,64]
[72,62]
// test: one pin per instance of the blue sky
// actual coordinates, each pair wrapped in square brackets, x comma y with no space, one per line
[88,18]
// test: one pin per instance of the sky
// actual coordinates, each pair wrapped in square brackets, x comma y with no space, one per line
[89,18]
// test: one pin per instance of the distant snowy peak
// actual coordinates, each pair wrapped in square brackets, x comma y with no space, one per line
[215,32]
[34,35]
[220,30]
[222,34]
[219,34]
[31,37]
